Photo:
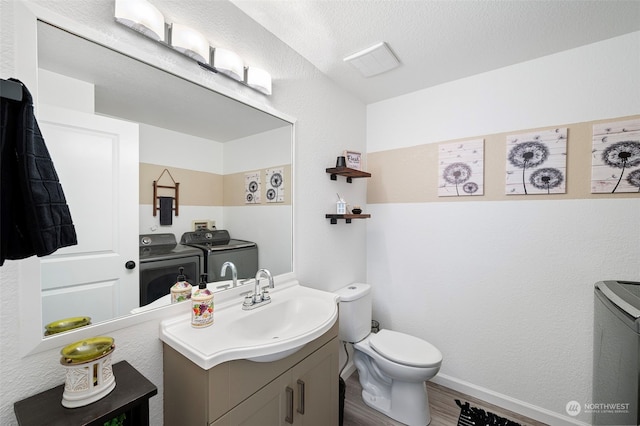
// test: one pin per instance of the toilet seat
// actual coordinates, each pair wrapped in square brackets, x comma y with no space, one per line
[405,349]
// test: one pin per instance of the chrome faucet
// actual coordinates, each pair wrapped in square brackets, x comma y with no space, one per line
[234,272]
[260,296]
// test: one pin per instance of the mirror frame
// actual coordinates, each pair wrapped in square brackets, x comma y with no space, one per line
[25,20]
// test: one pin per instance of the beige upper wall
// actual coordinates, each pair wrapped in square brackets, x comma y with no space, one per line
[204,189]
[234,188]
[196,188]
[410,175]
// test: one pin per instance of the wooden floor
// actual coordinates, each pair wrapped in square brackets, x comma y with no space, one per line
[444,411]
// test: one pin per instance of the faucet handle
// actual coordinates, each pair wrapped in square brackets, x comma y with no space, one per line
[265,294]
[248,300]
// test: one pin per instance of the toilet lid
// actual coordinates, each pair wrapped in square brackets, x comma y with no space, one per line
[405,349]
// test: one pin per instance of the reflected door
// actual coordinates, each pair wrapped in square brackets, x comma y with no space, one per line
[96,159]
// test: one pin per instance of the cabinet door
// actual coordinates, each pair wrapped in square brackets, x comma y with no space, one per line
[315,382]
[271,406]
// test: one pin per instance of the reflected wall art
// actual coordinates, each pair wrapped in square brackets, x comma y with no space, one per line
[537,162]
[461,168]
[275,185]
[252,187]
[615,157]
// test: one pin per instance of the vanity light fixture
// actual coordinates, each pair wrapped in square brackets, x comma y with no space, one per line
[189,42]
[228,62]
[141,16]
[258,79]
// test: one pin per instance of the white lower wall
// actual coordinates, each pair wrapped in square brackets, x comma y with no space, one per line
[505,289]
[181,223]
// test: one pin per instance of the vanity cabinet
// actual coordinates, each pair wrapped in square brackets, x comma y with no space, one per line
[301,389]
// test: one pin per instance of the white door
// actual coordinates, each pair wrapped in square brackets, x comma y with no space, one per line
[96,159]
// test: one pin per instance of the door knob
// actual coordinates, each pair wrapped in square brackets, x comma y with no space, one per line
[130,264]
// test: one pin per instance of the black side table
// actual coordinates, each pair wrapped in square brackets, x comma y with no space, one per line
[130,396]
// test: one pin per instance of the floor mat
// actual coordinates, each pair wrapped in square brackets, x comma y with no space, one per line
[473,416]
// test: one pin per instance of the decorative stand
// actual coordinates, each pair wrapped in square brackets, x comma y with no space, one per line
[88,382]
[130,397]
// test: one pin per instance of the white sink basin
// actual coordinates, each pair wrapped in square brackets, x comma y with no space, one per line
[295,316]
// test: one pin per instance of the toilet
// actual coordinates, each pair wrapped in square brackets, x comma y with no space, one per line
[393,367]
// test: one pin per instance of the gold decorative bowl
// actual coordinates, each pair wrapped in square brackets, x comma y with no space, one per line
[66,324]
[87,350]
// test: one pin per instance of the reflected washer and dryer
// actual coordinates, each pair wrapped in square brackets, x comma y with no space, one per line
[616,353]
[218,247]
[161,258]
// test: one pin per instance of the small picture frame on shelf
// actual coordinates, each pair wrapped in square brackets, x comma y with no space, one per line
[354,160]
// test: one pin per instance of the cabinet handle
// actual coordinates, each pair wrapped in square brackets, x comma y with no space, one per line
[289,417]
[301,396]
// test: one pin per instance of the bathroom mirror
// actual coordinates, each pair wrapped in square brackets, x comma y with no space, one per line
[129,89]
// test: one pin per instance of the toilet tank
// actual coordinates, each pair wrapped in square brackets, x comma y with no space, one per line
[355,312]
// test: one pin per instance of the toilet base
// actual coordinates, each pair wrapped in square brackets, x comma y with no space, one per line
[408,404]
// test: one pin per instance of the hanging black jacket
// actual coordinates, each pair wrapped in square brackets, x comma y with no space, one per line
[34,216]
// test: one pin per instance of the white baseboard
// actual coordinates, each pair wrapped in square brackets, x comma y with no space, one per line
[537,413]
[349,369]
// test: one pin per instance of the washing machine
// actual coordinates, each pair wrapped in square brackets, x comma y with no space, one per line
[616,354]
[218,247]
[161,258]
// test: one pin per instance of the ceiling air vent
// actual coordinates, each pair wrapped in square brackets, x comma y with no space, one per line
[374,60]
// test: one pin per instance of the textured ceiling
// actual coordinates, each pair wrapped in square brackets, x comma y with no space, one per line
[436,41]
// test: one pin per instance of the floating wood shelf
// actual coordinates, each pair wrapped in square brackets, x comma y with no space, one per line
[347,217]
[347,172]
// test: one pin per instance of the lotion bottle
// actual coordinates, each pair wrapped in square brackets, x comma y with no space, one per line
[341,205]
[181,290]
[202,305]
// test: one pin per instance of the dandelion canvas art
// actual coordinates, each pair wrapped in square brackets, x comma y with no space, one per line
[537,162]
[275,185]
[461,168]
[616,157]
[252,187]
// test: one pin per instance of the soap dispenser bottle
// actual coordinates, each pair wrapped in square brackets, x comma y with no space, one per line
[202,305]
[181,290]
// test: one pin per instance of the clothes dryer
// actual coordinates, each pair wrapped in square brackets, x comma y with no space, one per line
[616,354]
[218,247]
